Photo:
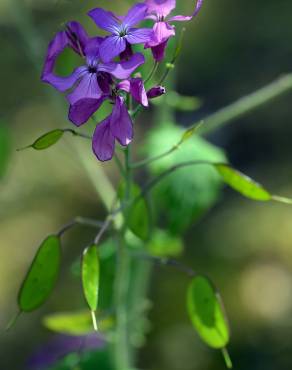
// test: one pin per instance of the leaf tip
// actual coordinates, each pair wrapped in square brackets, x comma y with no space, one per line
[227,358]
[12,321]
[94,321]
[280,199]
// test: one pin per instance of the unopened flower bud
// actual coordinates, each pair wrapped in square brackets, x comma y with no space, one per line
[155,92]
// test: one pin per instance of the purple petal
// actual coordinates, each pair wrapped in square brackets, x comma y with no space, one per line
[121,123]
[162,31]
[135,86]
[91,50]
[103,141]
[180,18]
[55,48]
[64,83]
[159,51]
[160,7]
[198,7]
[135,15]
[124,85]
[61,346]
[83,109]
[127,53]
[111,47]
[78,37]
[87,88]
[123,70]
[138,91]
[105,20]
[139,35]
[104,81]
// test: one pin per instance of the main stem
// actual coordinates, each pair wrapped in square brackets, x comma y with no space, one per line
[122,347]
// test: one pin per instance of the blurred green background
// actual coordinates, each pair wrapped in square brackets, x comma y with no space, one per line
[230,49]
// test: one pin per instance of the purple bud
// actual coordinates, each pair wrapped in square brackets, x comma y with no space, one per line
[155,92]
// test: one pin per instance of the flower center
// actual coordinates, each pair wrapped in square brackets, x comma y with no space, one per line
[123,31]
[92,69]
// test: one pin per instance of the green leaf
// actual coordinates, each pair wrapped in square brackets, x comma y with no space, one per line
[90,276]
[206,312]
[242,183]
[183,196]
[42,275]
[47,140]
[4,149]
[137,215]
[190,132]
[76,323]
[163,244]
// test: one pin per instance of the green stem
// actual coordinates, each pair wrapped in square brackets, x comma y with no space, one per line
[145,162]
[153,182]
[152,72]
[122,350]
[165,261]
[170,66]
[122,347]
[80,221]
[141,271]
[120,166]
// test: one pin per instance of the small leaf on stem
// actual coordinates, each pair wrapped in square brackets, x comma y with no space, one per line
[207,313]
[137,214]
[164,244]
[242,183]
[90,278]
[42,275]
[76,323]
[190,132]
[47,140]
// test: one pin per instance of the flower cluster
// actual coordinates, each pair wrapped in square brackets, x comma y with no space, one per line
[109,64]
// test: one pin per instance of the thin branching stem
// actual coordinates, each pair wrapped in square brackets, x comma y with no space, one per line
[75,133]
[170,66]
[152,72]
[164,261]
[153,182]
[150,160]
[103,229]
[156,180]
[80,221]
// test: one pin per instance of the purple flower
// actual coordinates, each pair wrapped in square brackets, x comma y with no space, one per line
[136,88]
[62,345]
[163,30]
[91,82]
[117,126]
[121,28]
